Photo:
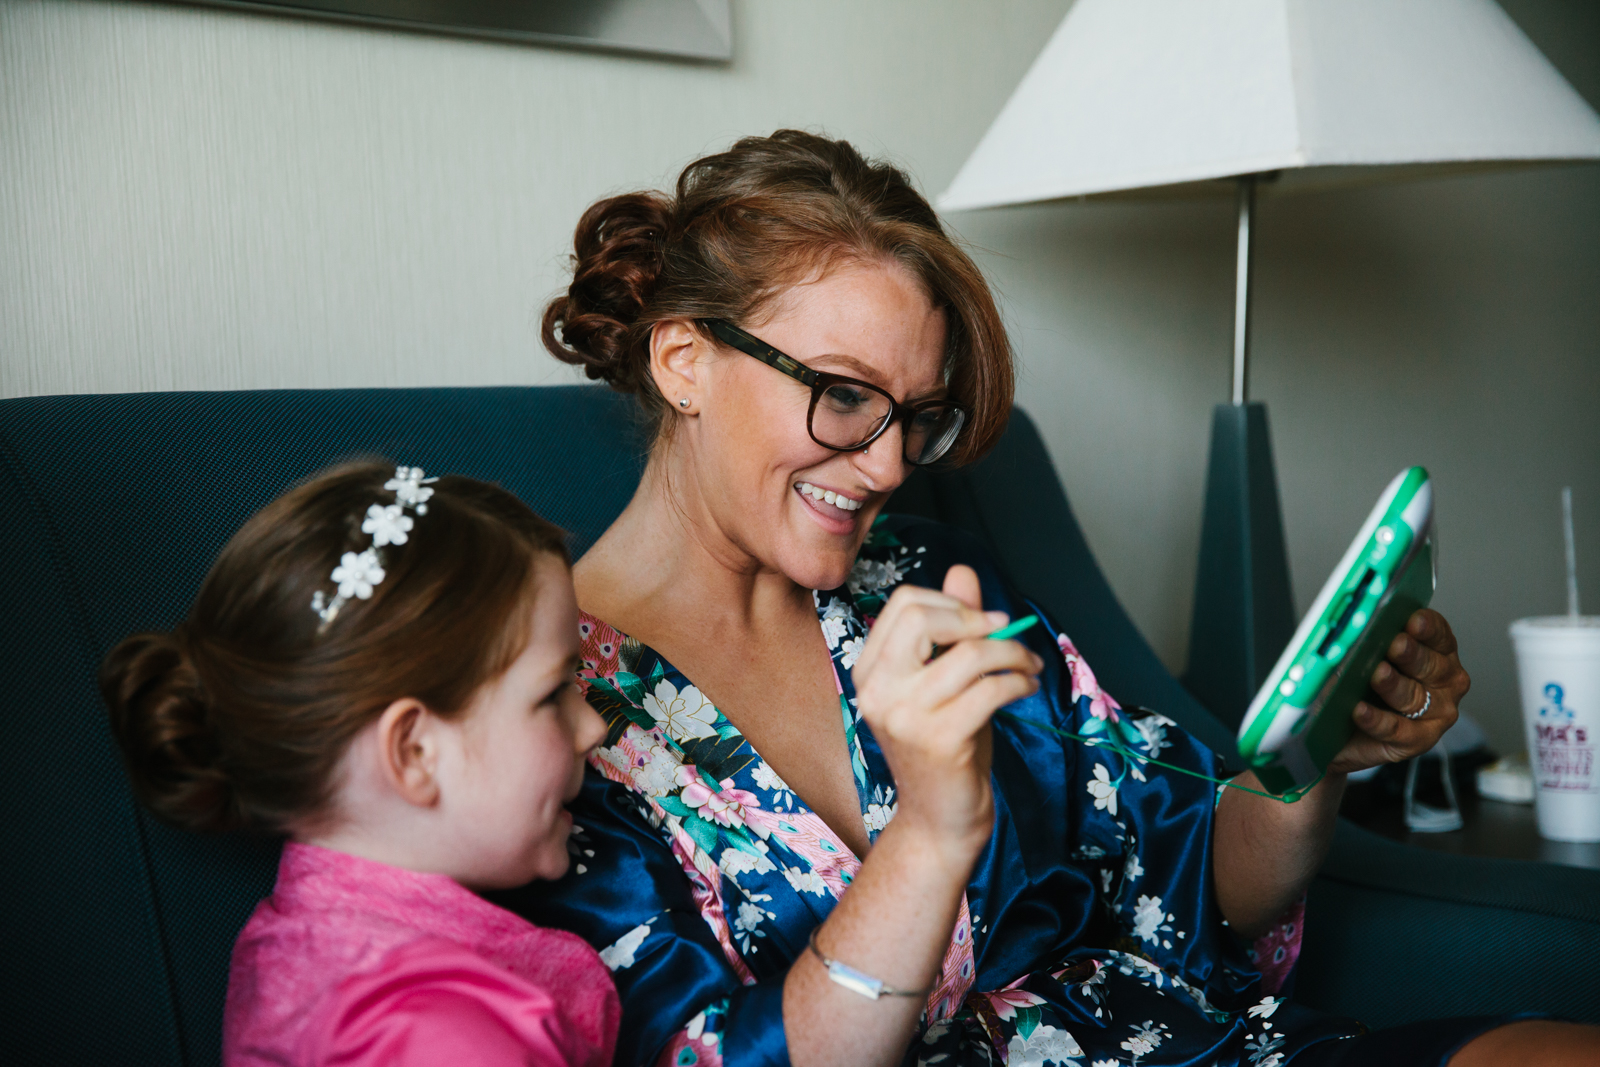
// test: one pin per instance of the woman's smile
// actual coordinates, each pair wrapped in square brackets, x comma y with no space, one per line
[833,511]
[829,496]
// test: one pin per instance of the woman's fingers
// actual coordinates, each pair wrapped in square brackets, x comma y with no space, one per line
[1364,750]
[1416,660]
[1407,737]
[1381,737]
[961,583]
[1422,672]
[913,703]
[879,638]
[952,673]
[945,730]
[911,626]
[1423,669]
[1385,736]
[1402,694]
[977,704]
[1433,629]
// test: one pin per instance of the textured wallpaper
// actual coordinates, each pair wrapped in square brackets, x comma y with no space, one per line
[192,198]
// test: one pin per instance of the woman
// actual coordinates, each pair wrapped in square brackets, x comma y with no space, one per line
[803,333]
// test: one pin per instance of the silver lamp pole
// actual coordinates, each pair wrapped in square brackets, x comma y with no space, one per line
[1243,612]
[1241,289]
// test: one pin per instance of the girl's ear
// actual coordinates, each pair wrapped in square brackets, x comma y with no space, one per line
[675,352]
[408,751]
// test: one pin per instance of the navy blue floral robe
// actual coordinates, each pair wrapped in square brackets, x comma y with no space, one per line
[1089,935]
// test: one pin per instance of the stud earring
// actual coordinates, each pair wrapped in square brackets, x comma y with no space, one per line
[684,403]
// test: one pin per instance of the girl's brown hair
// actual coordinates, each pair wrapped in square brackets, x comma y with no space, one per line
[744,225]
[238,717]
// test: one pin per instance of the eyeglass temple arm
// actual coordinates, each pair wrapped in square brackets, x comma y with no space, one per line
[729,334]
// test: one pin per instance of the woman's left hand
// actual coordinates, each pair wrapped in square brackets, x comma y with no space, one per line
[1422,671]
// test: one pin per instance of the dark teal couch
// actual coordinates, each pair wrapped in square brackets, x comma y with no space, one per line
[115,930]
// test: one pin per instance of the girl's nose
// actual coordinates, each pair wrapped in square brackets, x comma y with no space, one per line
[589,728]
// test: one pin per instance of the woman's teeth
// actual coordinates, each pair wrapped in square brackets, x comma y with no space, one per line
[828,496]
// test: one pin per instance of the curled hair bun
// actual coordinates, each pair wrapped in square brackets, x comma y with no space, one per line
[618,256]
[743,226]
[163,724]
[240,717]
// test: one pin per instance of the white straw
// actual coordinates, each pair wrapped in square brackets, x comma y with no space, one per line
[1572,552]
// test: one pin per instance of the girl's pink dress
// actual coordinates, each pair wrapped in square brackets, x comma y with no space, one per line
[352,962]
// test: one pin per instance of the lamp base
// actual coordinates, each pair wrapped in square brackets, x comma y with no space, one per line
[1243,608]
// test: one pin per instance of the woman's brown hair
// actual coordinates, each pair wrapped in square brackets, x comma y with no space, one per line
[744,225]
[238,717]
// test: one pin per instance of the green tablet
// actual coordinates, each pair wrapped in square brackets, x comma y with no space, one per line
[1301,718]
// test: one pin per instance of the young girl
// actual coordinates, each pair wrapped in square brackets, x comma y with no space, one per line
[379,666]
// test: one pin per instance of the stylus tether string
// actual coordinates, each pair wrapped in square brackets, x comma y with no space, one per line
[1116,743]
[1126,753]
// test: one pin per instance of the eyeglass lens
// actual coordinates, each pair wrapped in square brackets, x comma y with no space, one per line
[847,415]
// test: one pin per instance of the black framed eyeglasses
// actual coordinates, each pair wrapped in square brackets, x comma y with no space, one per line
[848,414]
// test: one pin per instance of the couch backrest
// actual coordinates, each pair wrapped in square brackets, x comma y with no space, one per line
[1014,502]
[115,930]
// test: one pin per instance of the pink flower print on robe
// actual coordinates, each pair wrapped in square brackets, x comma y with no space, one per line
[1005,1002]
[1276,951]
[725,806]
[599,649]
[1084,684]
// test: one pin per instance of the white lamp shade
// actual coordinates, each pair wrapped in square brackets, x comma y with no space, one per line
[1130,94]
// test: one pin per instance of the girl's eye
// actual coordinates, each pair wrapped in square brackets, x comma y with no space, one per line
[554,696]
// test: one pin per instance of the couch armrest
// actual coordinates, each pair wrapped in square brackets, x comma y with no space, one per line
[1396,933]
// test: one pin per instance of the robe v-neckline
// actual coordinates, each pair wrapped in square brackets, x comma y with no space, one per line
[688,719]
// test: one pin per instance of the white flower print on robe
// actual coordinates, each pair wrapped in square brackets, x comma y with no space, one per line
[683,714]
[707,844]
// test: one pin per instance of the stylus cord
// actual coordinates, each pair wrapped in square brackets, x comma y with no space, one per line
[1116,744]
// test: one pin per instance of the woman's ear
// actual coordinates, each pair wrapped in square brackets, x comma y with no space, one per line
[675,350]
[409,740]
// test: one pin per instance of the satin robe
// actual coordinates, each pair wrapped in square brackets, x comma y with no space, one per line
[1089,933]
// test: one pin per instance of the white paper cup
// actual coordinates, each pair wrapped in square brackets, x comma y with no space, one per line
[1558,665]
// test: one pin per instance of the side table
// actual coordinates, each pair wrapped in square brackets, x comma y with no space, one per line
[1492,828]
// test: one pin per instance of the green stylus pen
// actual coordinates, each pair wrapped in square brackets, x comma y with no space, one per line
[1005,633]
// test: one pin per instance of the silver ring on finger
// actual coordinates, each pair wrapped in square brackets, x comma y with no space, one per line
[1420,712]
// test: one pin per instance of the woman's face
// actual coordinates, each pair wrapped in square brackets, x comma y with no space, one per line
[756,471]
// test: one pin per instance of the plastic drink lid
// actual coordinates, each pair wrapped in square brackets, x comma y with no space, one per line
[1556,627]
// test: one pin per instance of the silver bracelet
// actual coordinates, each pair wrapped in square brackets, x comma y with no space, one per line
[853,980]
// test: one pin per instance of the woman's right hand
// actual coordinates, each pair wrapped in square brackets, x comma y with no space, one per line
[931,716]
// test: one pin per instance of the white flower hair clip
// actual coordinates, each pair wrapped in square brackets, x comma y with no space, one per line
[358,573]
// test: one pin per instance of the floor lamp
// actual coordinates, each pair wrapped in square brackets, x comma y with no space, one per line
[1265,97]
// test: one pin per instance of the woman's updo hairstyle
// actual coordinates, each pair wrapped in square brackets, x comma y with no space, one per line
[746,224]
[238,718]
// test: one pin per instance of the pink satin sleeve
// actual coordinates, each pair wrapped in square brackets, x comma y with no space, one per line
[434,1002]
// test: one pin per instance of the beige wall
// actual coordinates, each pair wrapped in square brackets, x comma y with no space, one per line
[201,199]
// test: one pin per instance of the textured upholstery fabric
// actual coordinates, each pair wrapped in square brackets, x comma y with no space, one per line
[1396,934]
[115,931]
[78,926]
